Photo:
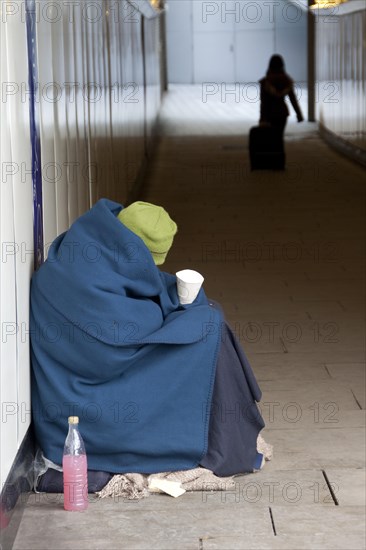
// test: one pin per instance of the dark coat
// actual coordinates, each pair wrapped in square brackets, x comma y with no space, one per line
[111,344]
[274,89]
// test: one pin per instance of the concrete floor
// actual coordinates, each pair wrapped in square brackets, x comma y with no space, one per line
[284,254]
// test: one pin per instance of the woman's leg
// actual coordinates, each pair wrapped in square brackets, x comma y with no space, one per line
[279,124]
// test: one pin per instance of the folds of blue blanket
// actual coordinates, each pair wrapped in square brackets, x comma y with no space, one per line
[111,344]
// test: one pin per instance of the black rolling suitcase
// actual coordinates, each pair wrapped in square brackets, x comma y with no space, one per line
[266,148]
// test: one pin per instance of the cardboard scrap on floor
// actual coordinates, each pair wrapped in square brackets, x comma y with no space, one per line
[172,488]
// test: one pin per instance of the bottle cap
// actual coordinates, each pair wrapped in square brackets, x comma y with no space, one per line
[73,420]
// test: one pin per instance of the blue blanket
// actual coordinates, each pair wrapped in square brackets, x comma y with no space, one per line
[111,344]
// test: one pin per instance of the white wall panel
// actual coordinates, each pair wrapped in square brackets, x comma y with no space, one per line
[179,15]
[214,17]
[251,67]
[292,46]
[257,16]
[180,68]
[59,117]
[8,374]
[71,113]
[289,15]
[152,76]
[232,41]
[82,121]
[213,57]
[341,62]
[16,241]
[179,36]
[22,217]
[134,82]
[46,110]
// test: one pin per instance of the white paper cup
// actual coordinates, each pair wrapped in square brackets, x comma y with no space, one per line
[189,283]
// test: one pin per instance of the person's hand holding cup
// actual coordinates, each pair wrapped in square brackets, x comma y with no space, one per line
[189,283]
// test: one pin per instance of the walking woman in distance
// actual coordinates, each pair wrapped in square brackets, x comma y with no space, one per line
[275,86]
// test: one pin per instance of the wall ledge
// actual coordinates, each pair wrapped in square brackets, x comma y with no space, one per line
[16,490]
[343,146]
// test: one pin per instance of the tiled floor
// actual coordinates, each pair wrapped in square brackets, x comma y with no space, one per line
[284,254]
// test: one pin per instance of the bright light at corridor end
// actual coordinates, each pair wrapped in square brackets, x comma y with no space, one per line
[320,4]
[157,4]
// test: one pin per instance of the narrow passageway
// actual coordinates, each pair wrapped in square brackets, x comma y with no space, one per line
[283,252]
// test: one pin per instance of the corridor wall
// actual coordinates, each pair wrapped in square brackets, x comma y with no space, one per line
[16,234]
[96,65]
[232,41]
[341,74]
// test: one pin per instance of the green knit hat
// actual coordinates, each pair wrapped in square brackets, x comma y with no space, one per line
[153,225]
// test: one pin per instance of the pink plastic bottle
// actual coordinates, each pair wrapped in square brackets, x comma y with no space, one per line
[75,469]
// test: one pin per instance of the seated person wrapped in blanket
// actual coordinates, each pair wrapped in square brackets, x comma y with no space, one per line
[158,386]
